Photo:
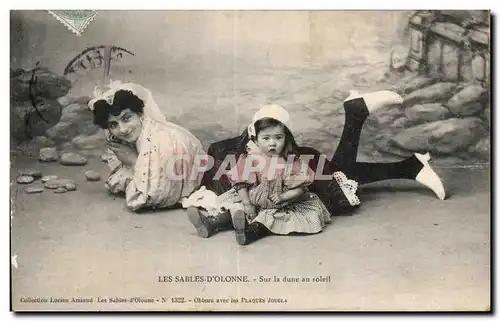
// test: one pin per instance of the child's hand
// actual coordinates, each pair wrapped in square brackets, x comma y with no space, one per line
[250,211]
[276,198]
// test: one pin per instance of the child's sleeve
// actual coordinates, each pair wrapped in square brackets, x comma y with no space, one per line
[238,177]
[299,175]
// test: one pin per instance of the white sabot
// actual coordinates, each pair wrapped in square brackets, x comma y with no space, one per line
[377,99]
[428,177]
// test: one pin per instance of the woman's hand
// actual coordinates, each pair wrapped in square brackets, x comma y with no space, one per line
[125,154]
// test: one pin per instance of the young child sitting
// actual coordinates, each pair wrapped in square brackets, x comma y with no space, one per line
[274,195]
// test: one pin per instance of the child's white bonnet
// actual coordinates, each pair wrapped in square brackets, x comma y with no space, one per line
[270,111]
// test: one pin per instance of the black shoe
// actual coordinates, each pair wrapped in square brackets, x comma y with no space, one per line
[240,226]
[206,226]
[247,233]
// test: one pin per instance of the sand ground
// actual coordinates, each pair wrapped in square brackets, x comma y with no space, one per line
[403,250]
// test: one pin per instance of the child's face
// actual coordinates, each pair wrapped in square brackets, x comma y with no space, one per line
[271,140]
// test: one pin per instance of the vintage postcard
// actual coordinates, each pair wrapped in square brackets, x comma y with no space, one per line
[250,160]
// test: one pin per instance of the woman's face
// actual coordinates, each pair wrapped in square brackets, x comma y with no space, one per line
[127,126]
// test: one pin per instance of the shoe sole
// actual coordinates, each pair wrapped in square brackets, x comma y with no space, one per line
[239,224]
[195,219]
